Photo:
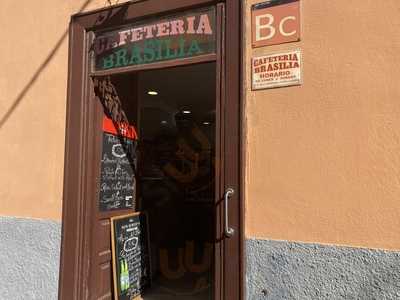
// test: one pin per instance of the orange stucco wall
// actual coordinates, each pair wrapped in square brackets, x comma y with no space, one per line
[33,80]
[323,159]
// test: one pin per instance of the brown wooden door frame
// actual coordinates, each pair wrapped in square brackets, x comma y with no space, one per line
[80,164]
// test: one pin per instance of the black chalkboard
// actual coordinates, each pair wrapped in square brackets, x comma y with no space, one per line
[117,182]
[131,255]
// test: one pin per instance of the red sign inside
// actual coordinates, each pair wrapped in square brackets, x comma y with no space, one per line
[119,128]
[275,22]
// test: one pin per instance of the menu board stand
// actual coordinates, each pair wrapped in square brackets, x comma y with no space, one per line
[130,246]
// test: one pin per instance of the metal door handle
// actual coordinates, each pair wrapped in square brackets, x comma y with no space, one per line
[228,230]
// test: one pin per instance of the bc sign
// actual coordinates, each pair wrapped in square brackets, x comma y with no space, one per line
[275,22]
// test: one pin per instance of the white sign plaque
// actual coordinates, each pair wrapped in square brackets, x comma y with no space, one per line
[276,70]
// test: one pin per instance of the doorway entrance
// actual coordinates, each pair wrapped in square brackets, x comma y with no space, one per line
[177,176]
[172,177]
[174,169]
[183,106]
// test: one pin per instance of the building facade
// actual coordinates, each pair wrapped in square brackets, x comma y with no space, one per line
[314,167]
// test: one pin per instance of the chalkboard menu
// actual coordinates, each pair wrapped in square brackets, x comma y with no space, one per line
[131,256]
[118,163]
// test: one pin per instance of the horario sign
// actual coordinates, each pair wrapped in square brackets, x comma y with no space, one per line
[276,70]
[174,37]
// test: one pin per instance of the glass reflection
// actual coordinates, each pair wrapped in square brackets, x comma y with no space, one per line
[177,173]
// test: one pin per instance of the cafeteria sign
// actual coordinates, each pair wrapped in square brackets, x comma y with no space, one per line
[176,37]
[276,70]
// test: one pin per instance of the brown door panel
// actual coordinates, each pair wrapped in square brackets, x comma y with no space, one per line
[100,269]
[102,280]
[102,241]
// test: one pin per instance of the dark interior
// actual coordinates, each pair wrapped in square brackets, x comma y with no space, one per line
[175,119]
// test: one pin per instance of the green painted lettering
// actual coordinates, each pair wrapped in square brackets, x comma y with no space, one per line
[168,54]
[108,62]
[153,50]
[182,43]
[121,59]
[159,49]
[194,49]
[136,58]
[148,51]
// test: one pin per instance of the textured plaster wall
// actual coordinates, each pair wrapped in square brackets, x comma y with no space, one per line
[288,271]
[29,259]
[33,80]
[323,159]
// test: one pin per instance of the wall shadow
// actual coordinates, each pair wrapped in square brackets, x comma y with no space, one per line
[38,72]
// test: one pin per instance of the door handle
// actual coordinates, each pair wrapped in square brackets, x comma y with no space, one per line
[229,232]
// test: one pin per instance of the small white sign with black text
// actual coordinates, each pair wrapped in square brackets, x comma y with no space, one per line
[276,70]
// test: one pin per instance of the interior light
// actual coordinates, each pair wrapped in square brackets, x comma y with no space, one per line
[186,111]
[164,122]
[152,93]
[206,123]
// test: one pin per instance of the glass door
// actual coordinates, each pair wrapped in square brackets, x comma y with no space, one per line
[177,111]
[177,138]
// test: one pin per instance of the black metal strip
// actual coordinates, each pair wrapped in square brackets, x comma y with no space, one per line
[271,3]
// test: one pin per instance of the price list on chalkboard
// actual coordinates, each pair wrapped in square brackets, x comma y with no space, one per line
[131,259]
[118,163]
